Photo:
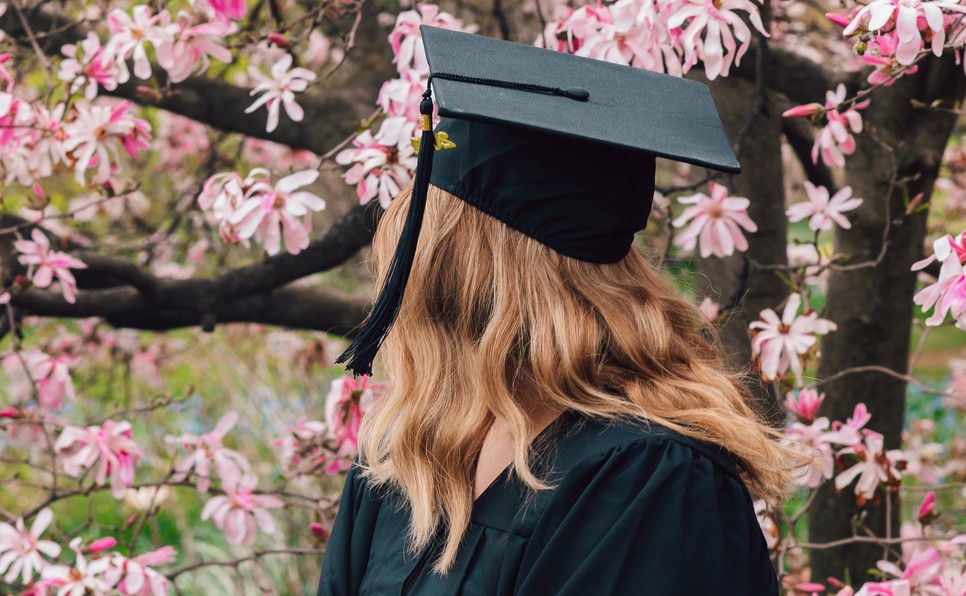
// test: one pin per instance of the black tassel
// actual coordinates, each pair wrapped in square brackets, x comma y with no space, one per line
[362,351]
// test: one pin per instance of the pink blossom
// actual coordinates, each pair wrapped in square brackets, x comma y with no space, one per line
[208,449]
[927,508]
[805,405]
[781,343]
[239,510]
[80,579]
[804,111]
[905,16]
[93,137]
[46,265]
[715,222]
[874,466]
[948,294]
[922,571]
[816,440]
[303,443]
[881,53]
[709,309]
[810,588]
[49,376]
[381,166]
[130,36]
[189,49]
[108,446]
[231,9]
[834,141]
[406,41]
[280,89]
[401,97]
[134,576]
[269,213]
[822,211]
[87,68]
[20,550]
[716,18]
[345,405]
[106,543]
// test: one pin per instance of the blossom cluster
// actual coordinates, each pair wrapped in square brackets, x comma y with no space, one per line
[95,569]
[253,207]
[947,296]
[329,446]
[380,164]
[661,35]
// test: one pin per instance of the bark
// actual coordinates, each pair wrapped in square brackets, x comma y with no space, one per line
[740,280]
[870,299]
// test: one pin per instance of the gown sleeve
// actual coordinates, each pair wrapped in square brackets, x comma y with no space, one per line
[345,561]
[648,517]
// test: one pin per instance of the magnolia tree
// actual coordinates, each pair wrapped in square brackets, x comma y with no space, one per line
[218,164]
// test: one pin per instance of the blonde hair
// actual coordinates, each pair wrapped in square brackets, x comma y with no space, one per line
[493,321]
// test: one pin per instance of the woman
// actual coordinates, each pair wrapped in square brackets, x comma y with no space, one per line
[555,424]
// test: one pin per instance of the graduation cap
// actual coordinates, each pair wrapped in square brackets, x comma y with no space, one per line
[558,147]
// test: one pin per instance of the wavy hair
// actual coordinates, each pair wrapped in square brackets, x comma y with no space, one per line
[493,322]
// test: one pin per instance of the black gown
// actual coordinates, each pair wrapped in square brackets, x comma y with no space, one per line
[637,509]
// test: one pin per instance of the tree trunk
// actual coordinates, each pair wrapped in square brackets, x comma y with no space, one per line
[737,276]
[897,158]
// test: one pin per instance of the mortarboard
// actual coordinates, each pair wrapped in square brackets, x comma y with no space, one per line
[558,147]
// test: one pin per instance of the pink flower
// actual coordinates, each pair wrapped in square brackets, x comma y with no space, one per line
[781,343]
[20,550]
[715,222]
[822,211]
[834,141]
[269,213]
[109,446]
[93,137]
[207,449]
[231,9]
[82,578]
[927,508]
[46,265]
[874,466]
[805,405]
[401,97]
[134,576]
[716,18]
[922,571]
[881,53]
[88,69]
[345,405]
[304,443]
[948,294]
[239,510]
[804,111]
[406,41]
[905,16]
[130,36]
[709,309]
[34,370]
[192,45]
[381,165]
[810,588]
[816,440]
[280,89]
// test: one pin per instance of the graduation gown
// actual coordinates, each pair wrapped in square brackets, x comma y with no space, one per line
[636,510]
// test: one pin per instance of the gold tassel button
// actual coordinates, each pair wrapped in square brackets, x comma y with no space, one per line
[442,142]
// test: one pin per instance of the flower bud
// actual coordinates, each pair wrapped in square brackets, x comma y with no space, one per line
[803,111]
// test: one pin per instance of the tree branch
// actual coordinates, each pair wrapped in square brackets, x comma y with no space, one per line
[329,118]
